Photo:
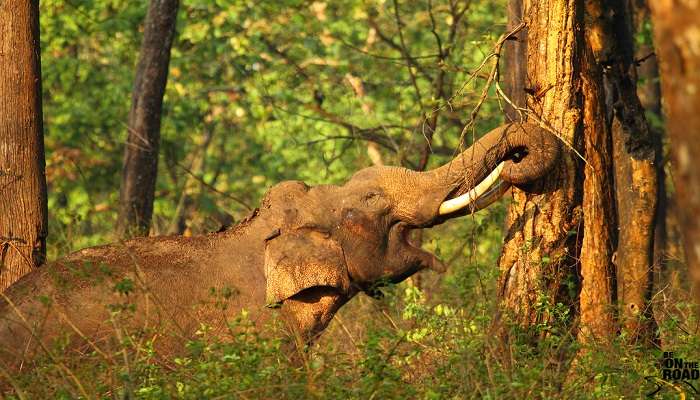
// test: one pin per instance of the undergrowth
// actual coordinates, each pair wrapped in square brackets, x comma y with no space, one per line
[404,346]
[434,337]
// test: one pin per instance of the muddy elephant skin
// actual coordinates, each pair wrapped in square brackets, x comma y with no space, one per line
[296,259]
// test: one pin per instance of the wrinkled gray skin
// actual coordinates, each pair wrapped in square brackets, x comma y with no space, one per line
[306,251]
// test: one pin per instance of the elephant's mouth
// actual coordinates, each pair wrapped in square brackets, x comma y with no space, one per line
[415,257]
[457,203]
[410,257]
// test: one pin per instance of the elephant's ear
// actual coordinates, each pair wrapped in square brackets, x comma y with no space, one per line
[300,260]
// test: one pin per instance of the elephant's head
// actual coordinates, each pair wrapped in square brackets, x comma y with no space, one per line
[342,239]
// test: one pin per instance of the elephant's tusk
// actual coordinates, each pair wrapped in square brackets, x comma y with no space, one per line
[493,194]
[476,193]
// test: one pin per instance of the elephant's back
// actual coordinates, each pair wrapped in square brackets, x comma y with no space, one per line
[165,288]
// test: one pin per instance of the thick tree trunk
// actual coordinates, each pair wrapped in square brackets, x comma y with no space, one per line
[141,153]
[584,87]
[677,38]
[574,227]
[23,211]
[539,256]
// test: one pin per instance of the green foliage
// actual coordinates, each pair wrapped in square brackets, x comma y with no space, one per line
[257,93]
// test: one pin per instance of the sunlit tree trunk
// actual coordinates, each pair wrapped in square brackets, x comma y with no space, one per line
[141,153]
[539,257]
[572,228]
[610,35]
[649,93]
[581,82]
[23,213]
[677,41]
[597,295]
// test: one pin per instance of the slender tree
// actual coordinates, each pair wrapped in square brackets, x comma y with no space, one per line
[649,93]
[141,153]
[23,210]
[597,293]
[677,40]
[635,154]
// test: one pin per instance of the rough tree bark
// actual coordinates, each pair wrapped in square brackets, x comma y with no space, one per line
[597,295]
[549,239]
[141,153]
[581,81]
[610,35]
[649,93]
[540,251]
[23,209]
[677,39]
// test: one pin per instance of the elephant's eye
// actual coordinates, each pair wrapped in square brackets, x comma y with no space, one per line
[371,196]
[518,155]
[375,199]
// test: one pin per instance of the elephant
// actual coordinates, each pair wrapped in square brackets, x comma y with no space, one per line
[296,259]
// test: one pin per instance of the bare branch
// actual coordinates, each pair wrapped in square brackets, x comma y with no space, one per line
[410,60]
[215,190]
[492,77]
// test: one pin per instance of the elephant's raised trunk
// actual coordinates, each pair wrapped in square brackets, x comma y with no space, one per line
[513,154]
[527,151]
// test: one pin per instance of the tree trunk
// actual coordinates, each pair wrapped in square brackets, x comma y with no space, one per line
[141,153]
[23,209]
[677,38]
[538,260]
[649,93]
[636,193]
[597,296]
[610,36]
[549,239]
